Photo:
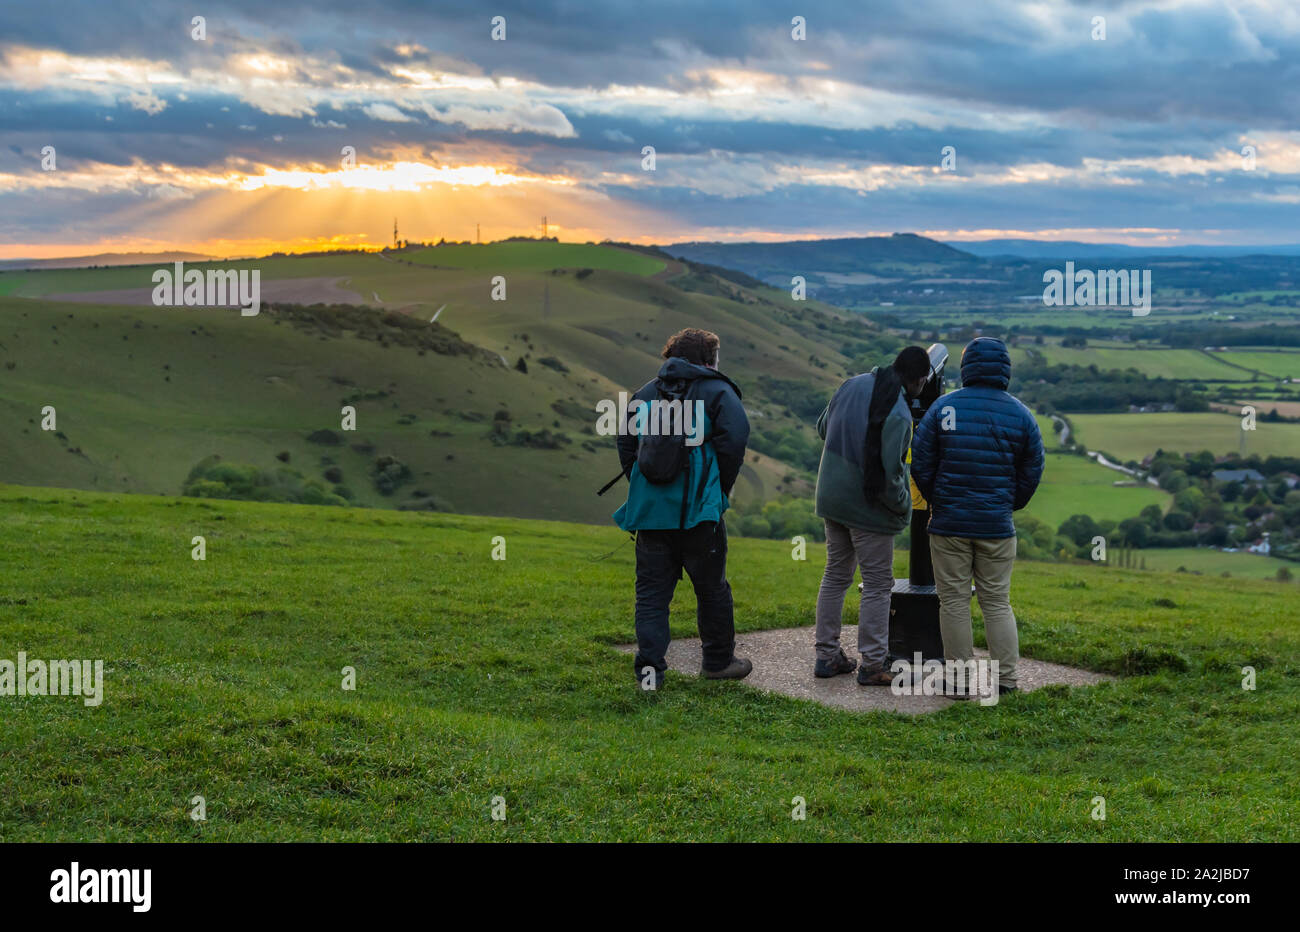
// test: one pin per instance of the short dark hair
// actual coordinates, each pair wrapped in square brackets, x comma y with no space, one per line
[693,345]
[912,363]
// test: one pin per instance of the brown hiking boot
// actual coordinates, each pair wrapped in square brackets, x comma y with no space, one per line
[877,677]
[738,669]
[825,669]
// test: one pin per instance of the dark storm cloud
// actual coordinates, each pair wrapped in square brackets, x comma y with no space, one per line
[1007,84]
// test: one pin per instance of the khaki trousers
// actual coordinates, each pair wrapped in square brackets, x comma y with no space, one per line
[959,561]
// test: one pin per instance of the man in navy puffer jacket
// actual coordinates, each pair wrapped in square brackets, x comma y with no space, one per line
[977,457]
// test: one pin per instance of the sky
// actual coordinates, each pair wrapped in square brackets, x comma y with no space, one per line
[128,127]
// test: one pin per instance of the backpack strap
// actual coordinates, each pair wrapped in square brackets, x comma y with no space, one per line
[610,484]
[686,492]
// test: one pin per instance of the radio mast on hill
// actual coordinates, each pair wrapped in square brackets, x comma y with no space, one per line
[394,232]
[543,227]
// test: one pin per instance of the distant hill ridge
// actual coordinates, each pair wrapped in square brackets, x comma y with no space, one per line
[1070,249]
[908,247]
[899,253]
[103,259]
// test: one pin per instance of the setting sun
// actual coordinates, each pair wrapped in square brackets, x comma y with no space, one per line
[399,176]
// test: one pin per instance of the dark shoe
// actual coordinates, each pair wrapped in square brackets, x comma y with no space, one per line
[1007,690]
[874,676]
[960,693]
[834,667]
[644,683]
[738,669]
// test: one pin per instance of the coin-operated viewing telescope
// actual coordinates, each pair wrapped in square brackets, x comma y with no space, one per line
[914,604]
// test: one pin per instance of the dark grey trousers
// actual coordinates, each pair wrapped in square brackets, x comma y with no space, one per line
[848,549]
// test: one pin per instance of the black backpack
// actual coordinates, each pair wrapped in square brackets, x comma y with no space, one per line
[663,457]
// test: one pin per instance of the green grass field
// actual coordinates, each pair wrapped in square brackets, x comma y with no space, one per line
[1154,363]
[1032,314]
[1282,365]
[1215,562]
[1075,485]
[1135,436]
[478,678]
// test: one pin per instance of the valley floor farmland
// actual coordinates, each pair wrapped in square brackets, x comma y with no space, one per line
[1135,436]
[1211,562]
[478,678]
[1152,362]
[1076,485]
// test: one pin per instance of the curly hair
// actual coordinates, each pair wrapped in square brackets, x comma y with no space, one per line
[693,345]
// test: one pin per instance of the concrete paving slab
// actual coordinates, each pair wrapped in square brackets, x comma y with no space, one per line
[783,663]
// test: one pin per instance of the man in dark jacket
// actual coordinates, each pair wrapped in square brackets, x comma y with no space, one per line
[678,524]
[977,457]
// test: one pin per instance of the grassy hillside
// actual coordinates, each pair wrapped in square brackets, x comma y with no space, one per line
[479,678]
[1134,436]
[36,283]
[537,256]
[143,393]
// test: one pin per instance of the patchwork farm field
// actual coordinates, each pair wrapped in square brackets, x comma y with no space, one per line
[1154,363]
[1134,436]
[478,678]
[1279,364]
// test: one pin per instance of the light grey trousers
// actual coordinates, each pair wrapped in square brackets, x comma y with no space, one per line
[848,549]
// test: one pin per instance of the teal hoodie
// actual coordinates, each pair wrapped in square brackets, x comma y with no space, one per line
[700,492]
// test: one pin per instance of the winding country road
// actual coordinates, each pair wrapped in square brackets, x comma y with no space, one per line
[1124,469]
[1064,433]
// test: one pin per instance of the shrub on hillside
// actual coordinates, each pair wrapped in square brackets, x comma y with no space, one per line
[804,399]
[334,320]
[388,473]
[779,519]
[214,478]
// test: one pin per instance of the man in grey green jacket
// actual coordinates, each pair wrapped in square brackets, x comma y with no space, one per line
[864,496]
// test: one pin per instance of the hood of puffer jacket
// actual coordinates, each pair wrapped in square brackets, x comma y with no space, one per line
[986,361]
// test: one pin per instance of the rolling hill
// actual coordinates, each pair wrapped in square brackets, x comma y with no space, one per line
[901,253]
[141,393]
